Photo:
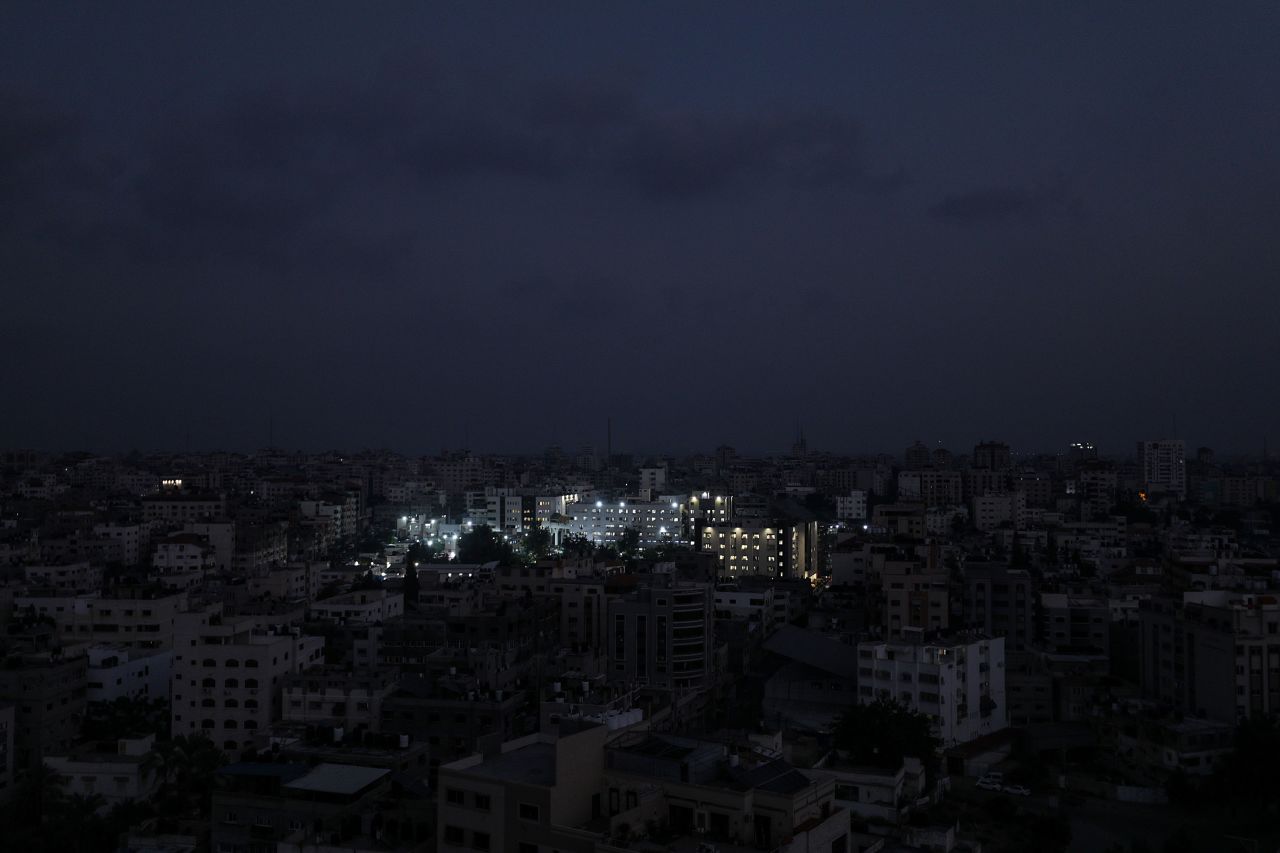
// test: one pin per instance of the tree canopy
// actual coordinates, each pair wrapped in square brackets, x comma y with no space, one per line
[884,732]
[481,544]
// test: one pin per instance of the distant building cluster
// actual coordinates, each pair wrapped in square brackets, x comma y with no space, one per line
[579,653]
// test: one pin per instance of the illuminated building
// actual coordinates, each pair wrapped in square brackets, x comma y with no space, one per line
[605,522]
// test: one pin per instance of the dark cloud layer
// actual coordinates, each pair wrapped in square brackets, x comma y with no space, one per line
[411,225]
[257,178]
[994,205]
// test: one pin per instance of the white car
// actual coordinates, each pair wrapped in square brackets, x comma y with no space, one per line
[1018,790]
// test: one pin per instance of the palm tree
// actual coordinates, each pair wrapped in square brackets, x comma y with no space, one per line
[185,766]
[80,818]
[163,761]
[41,793]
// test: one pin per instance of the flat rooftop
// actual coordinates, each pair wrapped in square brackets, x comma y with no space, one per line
[338,779]
[534,764]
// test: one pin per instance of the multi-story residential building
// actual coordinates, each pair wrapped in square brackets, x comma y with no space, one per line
[1036,486]
[68,577]
[496,643]
[337,696]
[959,683]
[753,606]
[122,672]
[221,536]
[228,674]
[917,457]
[745,548]
[1030,690]
[140,618]
[46,684]
[876,793]
[297,581]
[323,513]
[296,807]
[992,511]
[916,598]
[738,798]
[773,548]
[455,715]
[933,488]
[584,610]
[525,797]
[1093,540]
[1160,748]
[998,601]
[605,522]
[366,606]
[532,794]
[260,548]
[1163,467]
[183,553]
[1216,656]
[1076,624]
[459,474]
[853,506]
[662,637]
[8,757]
[992,455]
[1096,486]
[131,538]
[654,479]
[900,520]
[942,520]
[711,509]
[502,509]
[791,596]
[182,508]
[548,508]
[814,686]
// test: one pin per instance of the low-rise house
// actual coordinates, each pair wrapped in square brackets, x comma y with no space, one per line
[116,771]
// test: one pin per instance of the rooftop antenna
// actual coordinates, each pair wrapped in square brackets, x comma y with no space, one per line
[608,440]
[271,432]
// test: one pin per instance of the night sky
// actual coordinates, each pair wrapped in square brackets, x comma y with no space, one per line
[419,225]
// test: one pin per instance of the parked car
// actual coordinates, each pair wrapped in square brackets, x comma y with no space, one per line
[1018,790]
[991,782]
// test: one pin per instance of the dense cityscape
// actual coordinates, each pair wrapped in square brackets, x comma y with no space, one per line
[650,427]
[593,651]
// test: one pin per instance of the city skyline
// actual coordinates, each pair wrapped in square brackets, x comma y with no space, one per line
[638,455]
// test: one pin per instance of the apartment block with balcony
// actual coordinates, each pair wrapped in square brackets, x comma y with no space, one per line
[46,682]
[701,788]
[662,637]
[532,795]
[958,682]
[916,597]
[336,696]
[121,672]
[229,672]
[1214,655]
[116,771]
[365,606]
[999,602]
[1077,624]
[141,617]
